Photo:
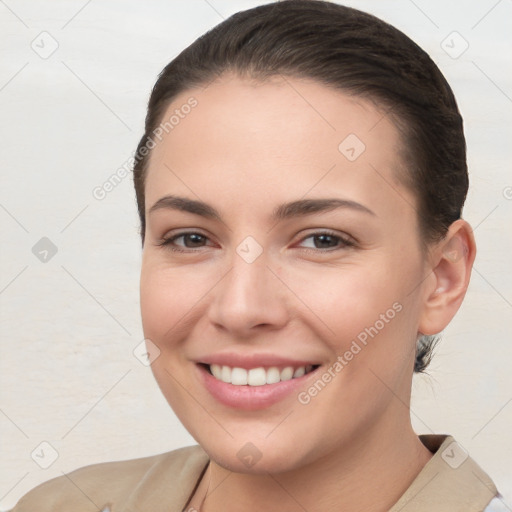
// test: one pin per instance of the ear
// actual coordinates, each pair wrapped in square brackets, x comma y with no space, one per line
[450,262]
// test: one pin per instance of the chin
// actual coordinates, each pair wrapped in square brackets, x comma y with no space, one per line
[271,461]
[257,455]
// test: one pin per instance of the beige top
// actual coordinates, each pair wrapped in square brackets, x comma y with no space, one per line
[450,482]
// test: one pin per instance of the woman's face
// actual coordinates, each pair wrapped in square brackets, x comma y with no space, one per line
[258,274]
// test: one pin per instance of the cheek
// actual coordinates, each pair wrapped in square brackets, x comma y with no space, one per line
[348,299]
[167,300]
[368,316]
[371,331]
[167,297]
[174,301]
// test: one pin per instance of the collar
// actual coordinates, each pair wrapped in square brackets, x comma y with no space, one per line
[450,481]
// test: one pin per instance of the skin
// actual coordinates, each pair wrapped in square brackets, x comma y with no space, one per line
[246,148]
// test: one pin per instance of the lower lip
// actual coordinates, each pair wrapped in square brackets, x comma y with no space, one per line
[251,397]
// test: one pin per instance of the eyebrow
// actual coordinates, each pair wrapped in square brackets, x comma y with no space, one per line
[301,207]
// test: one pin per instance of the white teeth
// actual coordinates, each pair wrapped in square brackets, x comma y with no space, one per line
[225,375]
[216,371]
[273,375]
[238,376]
[287,373]
[299,372]
[257,376]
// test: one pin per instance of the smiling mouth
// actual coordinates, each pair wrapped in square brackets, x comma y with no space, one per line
[257,376]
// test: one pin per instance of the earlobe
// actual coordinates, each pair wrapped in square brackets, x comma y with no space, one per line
[452,260]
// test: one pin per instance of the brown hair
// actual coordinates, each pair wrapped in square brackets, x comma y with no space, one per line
[351,51]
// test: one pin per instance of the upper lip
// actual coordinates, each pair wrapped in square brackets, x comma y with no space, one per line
[249,361]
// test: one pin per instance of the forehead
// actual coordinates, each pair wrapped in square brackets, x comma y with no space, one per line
[281,136]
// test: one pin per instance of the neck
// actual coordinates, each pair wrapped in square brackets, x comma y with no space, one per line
[371,474]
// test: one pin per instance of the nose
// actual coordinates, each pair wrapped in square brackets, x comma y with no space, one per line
[249,299]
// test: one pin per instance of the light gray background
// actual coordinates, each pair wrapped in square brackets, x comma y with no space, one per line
[70,325]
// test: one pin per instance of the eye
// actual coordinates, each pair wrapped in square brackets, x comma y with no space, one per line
[191,240]
[328,240]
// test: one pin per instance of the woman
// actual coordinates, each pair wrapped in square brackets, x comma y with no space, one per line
[300,184]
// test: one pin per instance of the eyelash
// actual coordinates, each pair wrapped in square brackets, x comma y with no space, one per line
[345,242]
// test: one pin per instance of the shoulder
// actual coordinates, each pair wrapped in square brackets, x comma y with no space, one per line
[451,480]
[95,487]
